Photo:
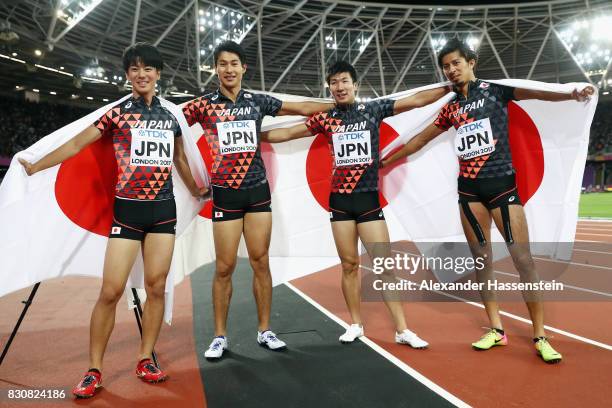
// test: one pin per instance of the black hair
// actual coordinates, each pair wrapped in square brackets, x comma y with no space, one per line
[144,53]
[230,46]
[341,66]
[457,45]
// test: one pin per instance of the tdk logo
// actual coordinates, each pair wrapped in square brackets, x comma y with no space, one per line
[470,127]
[153,133]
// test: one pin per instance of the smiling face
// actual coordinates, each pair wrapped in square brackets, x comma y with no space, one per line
[457,68]
[230,69]
[143,78]
[342,88]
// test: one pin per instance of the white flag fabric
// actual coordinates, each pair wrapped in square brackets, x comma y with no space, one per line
[549,144]
[56,222]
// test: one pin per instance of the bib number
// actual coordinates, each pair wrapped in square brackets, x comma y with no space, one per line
[352,148]
[474,139]
[239,136]
[151,147]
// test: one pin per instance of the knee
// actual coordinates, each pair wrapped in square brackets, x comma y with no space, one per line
[110,295]
[349,265]
[155,288]
[224,269]
[260,262]
[523,261]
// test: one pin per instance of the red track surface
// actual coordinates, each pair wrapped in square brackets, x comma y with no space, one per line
[503,376]
[52,349]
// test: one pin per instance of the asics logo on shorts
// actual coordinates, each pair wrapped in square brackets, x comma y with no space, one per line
[511,199]
[380,214]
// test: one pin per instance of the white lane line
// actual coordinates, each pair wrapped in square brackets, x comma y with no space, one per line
[591,233]
[573,263]
[565,285]
[399,363]
[594,252]
[522,319]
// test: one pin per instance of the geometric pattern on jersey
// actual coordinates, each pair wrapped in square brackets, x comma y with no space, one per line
[234,170]
[461,110]
[346,118]
[138,182]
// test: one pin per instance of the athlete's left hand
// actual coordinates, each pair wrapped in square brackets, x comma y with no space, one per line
[200,192]
[583,95]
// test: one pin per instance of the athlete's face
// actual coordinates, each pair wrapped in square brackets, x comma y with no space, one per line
[342,88]
[230,69]
[143,78]
[457,69]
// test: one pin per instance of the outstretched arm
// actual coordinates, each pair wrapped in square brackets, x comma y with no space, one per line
[285,134]
[64,152]
[414,145]
[583,95]
[419,99]
[304,108]
[182,166]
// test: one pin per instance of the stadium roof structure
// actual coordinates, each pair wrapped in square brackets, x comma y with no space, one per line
[290,42]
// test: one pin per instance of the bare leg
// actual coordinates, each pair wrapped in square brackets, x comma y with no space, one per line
[523,262]
[377,232]
[482,215]
[227,237]
[118,261]
[157,255]
[257,232]
[345,237]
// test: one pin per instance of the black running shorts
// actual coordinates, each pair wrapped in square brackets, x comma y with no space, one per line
[359,207]
[492,192]
[231,204]
[133,219]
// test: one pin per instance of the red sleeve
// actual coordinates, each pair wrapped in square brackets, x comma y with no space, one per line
[106,122]
[192,111]
[443,121]
[316,123]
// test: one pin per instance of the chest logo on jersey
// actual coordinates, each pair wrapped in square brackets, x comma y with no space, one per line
[245,110]
[155,124]
[151,147]
[351,127]
[474,139]
[238,136]
[470,107]
[352,148]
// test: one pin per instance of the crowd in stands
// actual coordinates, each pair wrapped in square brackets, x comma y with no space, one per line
[601,130]
[23,122]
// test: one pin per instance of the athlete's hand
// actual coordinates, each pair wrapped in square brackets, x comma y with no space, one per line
[583,95]
[200,192]
[29,167]
[383,163]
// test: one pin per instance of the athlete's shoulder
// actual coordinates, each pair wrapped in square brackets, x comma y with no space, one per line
[484,84]
[257,98]
[208,97]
